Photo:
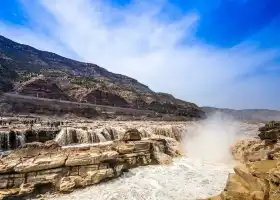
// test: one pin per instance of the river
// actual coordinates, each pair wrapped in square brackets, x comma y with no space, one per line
[185,179]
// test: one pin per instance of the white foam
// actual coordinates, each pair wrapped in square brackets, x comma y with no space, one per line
[184,179]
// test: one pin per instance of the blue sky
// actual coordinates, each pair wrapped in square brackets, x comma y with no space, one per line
[222,53]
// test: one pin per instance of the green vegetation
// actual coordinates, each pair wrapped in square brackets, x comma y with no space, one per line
[90,82]
[271,124]
[25,76]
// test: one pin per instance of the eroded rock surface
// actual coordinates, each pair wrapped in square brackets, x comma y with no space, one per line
[259,176]
[47,165]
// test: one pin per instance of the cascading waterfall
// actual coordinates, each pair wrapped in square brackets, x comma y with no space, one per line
[68,136]
[21,139]
[11,140]
[169,131]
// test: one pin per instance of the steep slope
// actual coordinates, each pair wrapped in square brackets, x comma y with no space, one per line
[246,114]
[84,82]
[6,78]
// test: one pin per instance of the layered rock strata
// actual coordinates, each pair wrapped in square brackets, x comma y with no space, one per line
[259,176]
[38,167]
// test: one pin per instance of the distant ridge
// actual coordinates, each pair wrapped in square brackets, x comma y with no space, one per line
[246,114]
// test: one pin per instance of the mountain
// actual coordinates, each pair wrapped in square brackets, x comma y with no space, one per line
[48,75]
[7,76]
[246,114]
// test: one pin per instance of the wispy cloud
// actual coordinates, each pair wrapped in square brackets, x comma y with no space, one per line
[140,41]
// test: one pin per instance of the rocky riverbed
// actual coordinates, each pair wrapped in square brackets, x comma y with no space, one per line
[84,153]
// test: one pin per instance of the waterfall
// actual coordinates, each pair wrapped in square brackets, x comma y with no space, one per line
[145,132]
[101,137]
[21,139]
[11,140]
[69,136]
[4,141]
[169,131]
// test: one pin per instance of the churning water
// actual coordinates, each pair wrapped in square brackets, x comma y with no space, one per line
[185,179]
[202,173]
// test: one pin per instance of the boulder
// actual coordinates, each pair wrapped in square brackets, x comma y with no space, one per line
[68,184]
[270,132]
[132,135]
[95,177]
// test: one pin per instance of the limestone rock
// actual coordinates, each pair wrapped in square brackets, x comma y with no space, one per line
[259,178]
[39,167]
[95,177]
[41,163]
[255,181]
[26,188]
[142,146]
[37,148]
[68,184]
[9,193]
[125,148]
[7,165]
[109,155]
[83,158]
[270,132]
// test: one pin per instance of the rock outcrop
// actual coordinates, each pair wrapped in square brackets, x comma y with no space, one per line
[100,97]
[270,132]
[255,181]
[258,178]
[266,147]
[49,166]
[42,88]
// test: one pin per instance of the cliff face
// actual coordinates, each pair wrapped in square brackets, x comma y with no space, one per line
[82,82]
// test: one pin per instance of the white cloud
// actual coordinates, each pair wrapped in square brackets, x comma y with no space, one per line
[139,41]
